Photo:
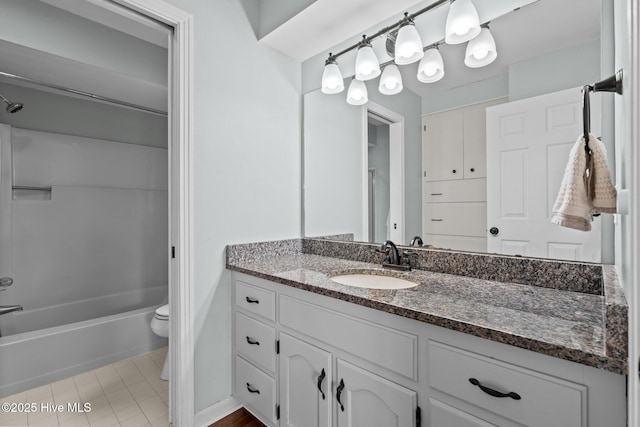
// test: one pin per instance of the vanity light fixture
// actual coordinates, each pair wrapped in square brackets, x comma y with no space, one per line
[357,93]
[391,80]
[481,51]
[431,68]
[408,48]
[404,45]
[367,66]
[332,81]
[462,23]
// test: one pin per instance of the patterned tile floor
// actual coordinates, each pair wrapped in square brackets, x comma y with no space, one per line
[128,393]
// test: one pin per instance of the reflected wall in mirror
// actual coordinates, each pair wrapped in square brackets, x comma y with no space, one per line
[337,156]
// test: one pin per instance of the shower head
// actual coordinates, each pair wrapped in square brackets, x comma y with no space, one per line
[12,107]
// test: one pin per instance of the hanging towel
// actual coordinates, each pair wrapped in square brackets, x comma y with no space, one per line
[586,187]
[601,191]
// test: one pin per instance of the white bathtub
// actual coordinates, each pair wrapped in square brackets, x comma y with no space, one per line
[31,356]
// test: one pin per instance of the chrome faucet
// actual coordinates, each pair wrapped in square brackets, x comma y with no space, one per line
[417,240]
[4,309]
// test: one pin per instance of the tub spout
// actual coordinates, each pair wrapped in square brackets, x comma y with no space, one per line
[4,309]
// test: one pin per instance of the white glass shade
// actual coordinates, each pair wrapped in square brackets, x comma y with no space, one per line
[463,23]
[332,79]
[357,93]
[431,67]
[408,48]
[391,80]
[367,66]
[481,51]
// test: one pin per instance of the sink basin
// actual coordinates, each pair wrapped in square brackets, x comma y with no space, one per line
[373,281]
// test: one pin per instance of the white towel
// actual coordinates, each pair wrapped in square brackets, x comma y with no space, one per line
[586,187]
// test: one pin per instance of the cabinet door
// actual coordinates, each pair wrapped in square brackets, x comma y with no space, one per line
[475,152]
[364,399]
[443,138]
[305,378]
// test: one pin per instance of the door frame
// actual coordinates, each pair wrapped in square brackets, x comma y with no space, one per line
[631,95]
[181,268]
[396,169]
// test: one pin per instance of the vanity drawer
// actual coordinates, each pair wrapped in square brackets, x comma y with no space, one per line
[256,341]
[467,190]
[255,389]
[459,219]
[389,348]
[256,300]
[544,400]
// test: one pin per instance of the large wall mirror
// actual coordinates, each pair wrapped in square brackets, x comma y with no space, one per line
[375,171]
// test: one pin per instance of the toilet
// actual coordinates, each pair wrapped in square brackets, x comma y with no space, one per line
[160,327]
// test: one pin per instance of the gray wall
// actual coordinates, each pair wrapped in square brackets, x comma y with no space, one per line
[247,166]
[50,112]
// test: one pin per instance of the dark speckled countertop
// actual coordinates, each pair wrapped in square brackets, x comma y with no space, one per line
[587,327]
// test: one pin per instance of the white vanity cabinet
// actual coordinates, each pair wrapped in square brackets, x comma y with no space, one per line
[334,363]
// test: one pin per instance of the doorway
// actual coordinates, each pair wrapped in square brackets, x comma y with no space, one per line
[383,151]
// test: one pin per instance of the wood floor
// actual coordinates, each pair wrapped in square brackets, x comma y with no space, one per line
[240,418]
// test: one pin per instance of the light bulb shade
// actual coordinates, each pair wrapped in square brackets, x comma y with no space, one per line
[367,66]
[463,23]
[332,79]
[431,67]
[357,93]
[481,51]
[408,47]
[391,80]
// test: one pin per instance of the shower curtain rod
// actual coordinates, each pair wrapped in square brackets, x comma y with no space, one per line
[82,93]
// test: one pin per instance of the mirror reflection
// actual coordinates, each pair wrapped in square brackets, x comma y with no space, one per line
[474,161]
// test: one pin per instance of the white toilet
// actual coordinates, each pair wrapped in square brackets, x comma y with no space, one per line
[160,327]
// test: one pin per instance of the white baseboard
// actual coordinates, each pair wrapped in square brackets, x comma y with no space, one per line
[216,412]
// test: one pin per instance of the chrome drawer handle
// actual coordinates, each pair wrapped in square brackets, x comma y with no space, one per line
[492,392]
[252,390]
[436,194]
[436,220]
[252,300]
[252,341]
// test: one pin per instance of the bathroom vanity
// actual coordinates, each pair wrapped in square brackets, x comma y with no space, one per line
[454,350]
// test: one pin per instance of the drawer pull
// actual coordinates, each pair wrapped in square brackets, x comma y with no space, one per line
[436,220]
[492,392]
[320,379]
[339,393]
[252,341]
[436,194]
[252,300]
[252,390]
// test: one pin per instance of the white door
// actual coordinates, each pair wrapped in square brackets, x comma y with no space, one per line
[528,144]
[442,415]
[305,378]
[364,399]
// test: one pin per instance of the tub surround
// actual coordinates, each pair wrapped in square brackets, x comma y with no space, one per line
[573,311]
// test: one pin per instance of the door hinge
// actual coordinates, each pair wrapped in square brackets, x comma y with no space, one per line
[418,417]
[173,251]
[277,346]
[277,412]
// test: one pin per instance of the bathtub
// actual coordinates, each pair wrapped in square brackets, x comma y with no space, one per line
[87,334]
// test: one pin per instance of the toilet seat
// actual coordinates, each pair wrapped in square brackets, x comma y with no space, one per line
[162,313]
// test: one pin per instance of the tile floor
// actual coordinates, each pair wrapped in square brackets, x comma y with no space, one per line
[128,393]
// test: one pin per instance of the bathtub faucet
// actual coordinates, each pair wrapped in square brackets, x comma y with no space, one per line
[4,309]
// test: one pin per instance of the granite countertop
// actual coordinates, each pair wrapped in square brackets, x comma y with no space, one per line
[565,324]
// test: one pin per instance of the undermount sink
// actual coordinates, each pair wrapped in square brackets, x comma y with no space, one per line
[373,281]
